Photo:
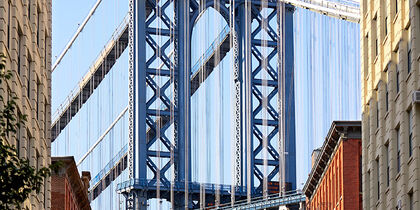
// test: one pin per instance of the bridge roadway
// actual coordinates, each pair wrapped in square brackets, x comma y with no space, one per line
[292,200]
[195,190]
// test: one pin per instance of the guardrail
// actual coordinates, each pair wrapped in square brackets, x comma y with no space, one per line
[274,200]
[78,88]
[211,49]
[193,187]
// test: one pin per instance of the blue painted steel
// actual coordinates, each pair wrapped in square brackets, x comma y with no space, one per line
[274,201]
[145,75]
[290,135]
[193,187]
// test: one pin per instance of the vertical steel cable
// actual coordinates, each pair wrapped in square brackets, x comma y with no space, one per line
[248,111]
[218,120]
[203,70]
[185,89]
[158,97]
[172,108]
[281,72]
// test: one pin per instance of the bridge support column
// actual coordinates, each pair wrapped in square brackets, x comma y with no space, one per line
[140,200]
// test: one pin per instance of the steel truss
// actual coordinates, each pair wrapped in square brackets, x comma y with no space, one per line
[161,86]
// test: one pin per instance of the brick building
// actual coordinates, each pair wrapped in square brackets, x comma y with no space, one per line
[69,191]
[335,178]
[390,58]
[25,39]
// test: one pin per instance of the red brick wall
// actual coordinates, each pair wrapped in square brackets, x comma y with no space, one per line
[339,187]
[58,192]
[351,168]
[62,197]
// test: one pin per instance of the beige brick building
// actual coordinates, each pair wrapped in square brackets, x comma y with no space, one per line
[390,42]
[25,38]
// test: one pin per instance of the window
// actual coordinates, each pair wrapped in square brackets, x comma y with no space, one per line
[38,26]
[28,85]
[45,117]
[398,151]
[29,10]
[409,51]
[398,80]
[410,133]
[38,93]
[20,51]
[18,134]
[396,6]
[9,11]
[377,178]
[387,163]
[410,200]
[375,22]
[45,51]
[386,96]
[38,161]
[377,114]
[386,25]
[28,144]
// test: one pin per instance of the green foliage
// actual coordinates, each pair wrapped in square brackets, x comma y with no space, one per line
[17,178]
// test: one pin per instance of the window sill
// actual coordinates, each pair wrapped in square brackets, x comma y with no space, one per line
[385,39]
[409,75]
[398,176]
[376,58]
[396,17]
[410,159]
[397,96]
[386,114]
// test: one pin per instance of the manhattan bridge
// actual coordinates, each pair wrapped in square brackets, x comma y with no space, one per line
[256,36]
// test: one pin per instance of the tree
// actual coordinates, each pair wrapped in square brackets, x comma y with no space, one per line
[17,177]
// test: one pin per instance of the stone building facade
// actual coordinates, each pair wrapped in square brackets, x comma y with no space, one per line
[25,38]
[390,46]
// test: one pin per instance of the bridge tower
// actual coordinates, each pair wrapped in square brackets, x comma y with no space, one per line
[161,85]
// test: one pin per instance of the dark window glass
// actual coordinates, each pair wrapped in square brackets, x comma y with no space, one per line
[377,178]
[20,50]
[9,14]
[386,25]
[29,10]
[377,114]
[29,78]
[38,93]
[45,52]
[398,81]
[409,61]
[28,145]
[410,134]
[38,27]
[386,97]
[398,151]
[387,164]
[45,117]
